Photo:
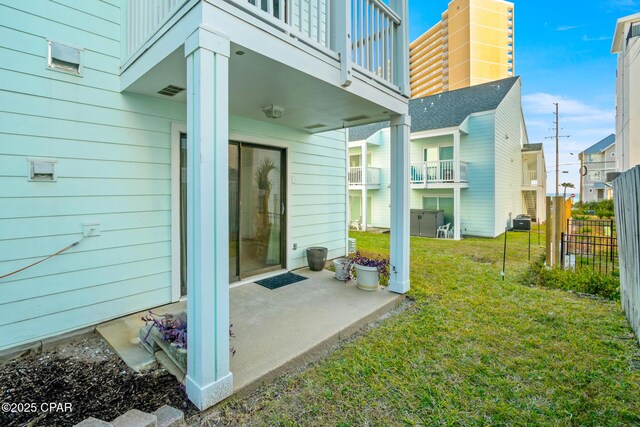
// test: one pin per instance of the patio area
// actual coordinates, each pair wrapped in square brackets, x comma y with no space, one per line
[275,330]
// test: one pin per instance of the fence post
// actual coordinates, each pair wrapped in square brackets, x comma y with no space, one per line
[562,247]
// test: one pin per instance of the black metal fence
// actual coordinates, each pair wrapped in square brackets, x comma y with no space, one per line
[592,227]
[590,244]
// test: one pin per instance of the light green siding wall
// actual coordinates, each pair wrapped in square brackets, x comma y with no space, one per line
[113,166]
[113,154]
[509,123]
[478,201]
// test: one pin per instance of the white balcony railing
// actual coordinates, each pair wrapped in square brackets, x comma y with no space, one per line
[434,172]
[356,176]
[373,28]
[364,31]
[529,177]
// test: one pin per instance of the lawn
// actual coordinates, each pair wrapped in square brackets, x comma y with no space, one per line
[471,350]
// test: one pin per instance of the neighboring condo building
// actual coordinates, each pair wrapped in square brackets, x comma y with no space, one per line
[472,44]
[596,165]
[470,158]
[626,43]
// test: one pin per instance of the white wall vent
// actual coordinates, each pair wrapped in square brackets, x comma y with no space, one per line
[64,58]
[42,170]
[352,245]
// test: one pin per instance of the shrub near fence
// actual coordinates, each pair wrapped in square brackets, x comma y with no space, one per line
[626,191]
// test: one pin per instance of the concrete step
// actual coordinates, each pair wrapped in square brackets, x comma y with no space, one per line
[165,416]
[93,422]
[135,418]
[169,417]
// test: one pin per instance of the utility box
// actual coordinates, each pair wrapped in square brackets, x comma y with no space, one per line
[522,223]
[425,223]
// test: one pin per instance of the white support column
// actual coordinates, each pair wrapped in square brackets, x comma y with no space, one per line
[364,205]
[209,379]
[399,247]
[456,156]
[456,213]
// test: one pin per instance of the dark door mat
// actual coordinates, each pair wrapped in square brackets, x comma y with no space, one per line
[280,280]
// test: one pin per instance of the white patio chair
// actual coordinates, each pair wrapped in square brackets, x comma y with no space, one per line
[443,231]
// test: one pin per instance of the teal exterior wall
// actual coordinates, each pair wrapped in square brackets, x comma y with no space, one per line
[113,166]
[478,201]
[511,134]
[113,154]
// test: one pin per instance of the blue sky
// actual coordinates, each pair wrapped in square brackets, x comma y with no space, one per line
[562,53]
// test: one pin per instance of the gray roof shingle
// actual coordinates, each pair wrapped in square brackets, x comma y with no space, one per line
[446,109]
[601,145]
[532,147]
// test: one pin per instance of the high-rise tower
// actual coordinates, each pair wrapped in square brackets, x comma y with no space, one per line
[472,44]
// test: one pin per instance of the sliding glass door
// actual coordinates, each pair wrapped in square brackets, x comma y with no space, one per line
[259,221]
[256,210]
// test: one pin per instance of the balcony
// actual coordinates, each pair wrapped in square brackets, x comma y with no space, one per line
[356,178]
[364,35]
[530,178]
[439,174]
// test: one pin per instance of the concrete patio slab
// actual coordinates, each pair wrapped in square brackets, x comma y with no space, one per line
[275,330]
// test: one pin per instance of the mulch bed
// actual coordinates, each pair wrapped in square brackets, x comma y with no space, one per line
[89,376]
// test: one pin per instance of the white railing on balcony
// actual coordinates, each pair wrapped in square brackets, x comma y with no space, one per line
[439,171]
[356,175]
[529,177]
[308,18]
[368,41]
[144,18]
[373,29]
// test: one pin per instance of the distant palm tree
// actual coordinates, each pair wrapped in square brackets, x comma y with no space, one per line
[566,185]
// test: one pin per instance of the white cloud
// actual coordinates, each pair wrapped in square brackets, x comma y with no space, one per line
[571,110]
[586,38]
[568,27]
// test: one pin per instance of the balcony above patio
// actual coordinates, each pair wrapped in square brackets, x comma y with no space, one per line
[329,63]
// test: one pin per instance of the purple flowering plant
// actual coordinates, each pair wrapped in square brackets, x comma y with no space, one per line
[382,264]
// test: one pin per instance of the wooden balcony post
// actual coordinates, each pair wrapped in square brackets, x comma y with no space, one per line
[341,37]
[209,379]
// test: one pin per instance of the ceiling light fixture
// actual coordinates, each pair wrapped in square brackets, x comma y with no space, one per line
[273,111]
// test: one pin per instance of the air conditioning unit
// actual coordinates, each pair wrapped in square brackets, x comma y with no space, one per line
[522,222]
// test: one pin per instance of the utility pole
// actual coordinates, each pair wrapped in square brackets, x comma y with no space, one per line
[557,137]
[557,151]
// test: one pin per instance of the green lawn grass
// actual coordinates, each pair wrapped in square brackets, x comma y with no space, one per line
[471,350]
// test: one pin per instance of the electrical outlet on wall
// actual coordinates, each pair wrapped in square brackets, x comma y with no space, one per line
[91,229]
[295,246]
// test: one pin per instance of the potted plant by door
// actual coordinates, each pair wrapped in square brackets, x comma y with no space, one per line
[342,267]
[369,271]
